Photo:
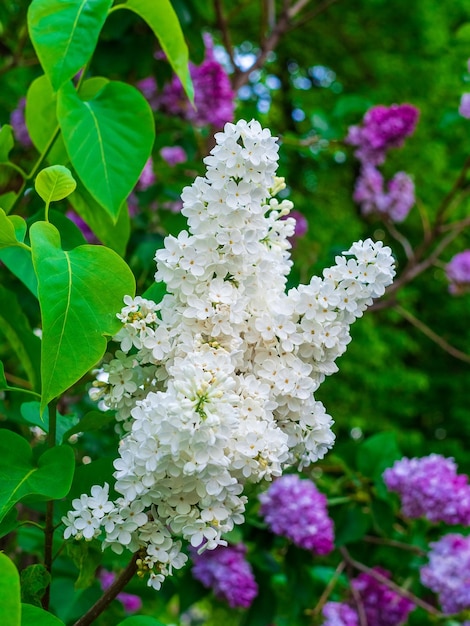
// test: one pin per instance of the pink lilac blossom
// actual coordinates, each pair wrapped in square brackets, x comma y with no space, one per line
[213,94]
[430,487]
[464,108]
[339,614]
[294,508]
[448,572]
[383,128]
[458,272]
[382,605]
[228,573]
[17,120]
[173,155]
[130,602]
[395,203]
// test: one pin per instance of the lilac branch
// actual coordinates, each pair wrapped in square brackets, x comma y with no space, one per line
[390,584]
[328,589]
[111,592]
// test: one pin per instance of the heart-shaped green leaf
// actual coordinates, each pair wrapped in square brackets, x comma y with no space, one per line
[108,139]
[80,292]
[9,592]
[163,21]
[12,230]
[50,478]
[65,34]
[6,142]
[54,183]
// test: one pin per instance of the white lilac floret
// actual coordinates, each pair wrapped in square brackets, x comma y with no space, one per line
[215,384]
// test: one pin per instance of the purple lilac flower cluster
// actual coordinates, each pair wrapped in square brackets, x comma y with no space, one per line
[430,487]
[294,508]
[464,108]
[339,614]
[228,573]
[458,273]
[448,572]
[214,98]
[382,605]
[383,128]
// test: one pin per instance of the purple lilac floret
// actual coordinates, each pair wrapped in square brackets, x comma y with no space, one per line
[339,614]
[173,155]
[382,128]
[448,572]
[395,203]
[294,508]
[17,120]
[382,605]
[214,98]
[130,602]
[430,487]
[226,571]
[458,272]
[464,108]
[147,177]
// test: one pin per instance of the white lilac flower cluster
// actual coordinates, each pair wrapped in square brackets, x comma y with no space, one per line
[215,384]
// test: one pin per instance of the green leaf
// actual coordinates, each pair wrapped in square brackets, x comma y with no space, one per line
[7,200]
[51,478]
[35,616]
[87,557]
[54,183]
[80,292]
[155,292]
[351,524]
[34,582]
[377,453]
[108,139]
[6,142]
[14,325]
[162,19]
[9,592]
[65,34]
[31,414]
[12,230]
[140,620]
[94,420]
[9,522]
[114,235]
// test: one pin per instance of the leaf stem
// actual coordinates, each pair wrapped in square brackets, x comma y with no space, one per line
[49,529]
[111,592]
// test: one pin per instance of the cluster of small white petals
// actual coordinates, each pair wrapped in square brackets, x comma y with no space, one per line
[215,383]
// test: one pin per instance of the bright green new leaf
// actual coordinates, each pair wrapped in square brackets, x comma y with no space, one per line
[80,292]
[12,230]
[14,325]
[65,34]
[35,616]
[9,592]
[50,478]
[41,119]
[7,200]
[54,183]
[94,420]
[6,142]
[108,139]
[163,21]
